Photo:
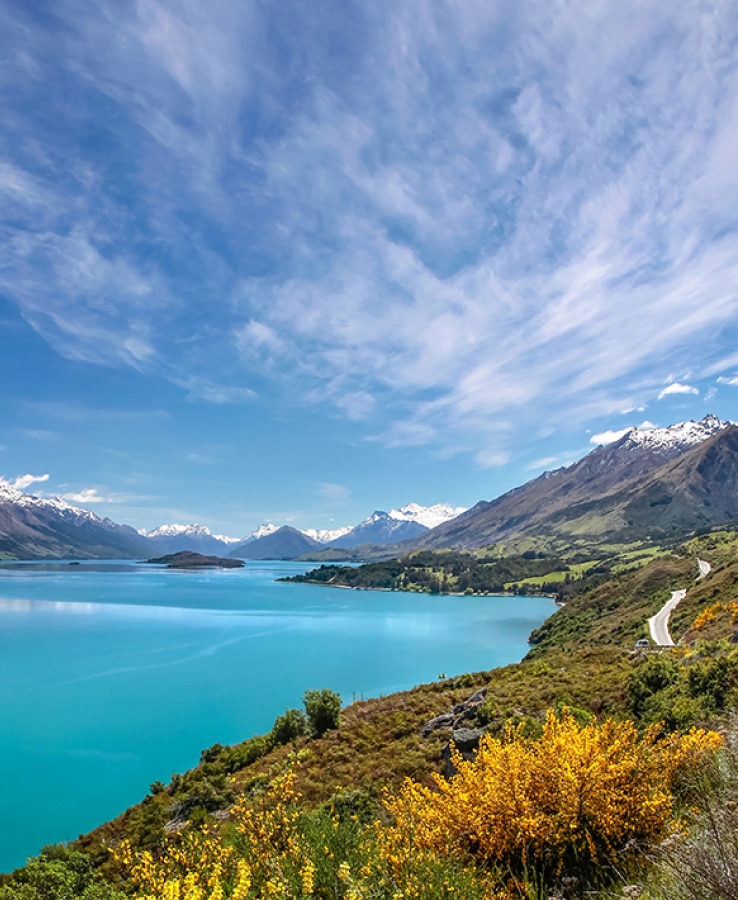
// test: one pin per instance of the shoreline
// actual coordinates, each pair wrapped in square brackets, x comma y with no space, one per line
[349,587]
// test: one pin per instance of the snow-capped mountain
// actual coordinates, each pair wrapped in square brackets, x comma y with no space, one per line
[624,490]
[326,535]
[264,530]
[430,516]
[379,528]
[226,539]
[674,438]
[176,530]
[34,527]
[282,543]
[175,537]
[9,494]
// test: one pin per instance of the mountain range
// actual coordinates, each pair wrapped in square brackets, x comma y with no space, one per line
[655,483]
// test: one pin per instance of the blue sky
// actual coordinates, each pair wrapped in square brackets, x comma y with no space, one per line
[296,261]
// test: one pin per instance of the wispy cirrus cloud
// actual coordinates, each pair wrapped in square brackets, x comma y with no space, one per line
[432,217]
[335,493]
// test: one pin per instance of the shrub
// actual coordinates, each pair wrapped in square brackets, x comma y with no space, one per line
[322,708]
[570,804]
[289,726]
[58,873]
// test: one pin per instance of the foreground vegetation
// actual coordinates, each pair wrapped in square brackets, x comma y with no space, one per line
[599,767]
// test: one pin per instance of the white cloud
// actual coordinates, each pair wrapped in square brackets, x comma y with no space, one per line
[88,495]
[608,437]
[24,481]
[677,388]
[220,394]
[733,382]
[357,405]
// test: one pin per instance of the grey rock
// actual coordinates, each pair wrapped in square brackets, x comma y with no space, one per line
[446,720]
[466,741]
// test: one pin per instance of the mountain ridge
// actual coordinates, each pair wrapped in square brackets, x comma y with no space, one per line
[598,480]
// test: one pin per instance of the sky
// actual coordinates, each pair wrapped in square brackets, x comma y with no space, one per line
[296,261]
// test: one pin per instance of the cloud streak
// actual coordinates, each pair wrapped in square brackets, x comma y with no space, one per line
[449,222]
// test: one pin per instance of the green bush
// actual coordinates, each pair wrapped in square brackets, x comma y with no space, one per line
[322,708]
[289,726]
[58,873]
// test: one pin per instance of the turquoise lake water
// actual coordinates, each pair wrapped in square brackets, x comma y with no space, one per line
[113,675]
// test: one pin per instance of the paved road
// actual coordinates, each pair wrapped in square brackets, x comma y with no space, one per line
[658,625]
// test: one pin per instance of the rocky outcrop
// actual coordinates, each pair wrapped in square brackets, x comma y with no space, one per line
[463,738]
[455,718]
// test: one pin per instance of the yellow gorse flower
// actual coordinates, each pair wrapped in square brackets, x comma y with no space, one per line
[573,798]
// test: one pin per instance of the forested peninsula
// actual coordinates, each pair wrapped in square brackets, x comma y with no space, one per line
[484,572]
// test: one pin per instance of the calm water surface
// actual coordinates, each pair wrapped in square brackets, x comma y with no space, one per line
[115,675]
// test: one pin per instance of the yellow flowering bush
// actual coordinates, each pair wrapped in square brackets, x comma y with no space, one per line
[707,615]
[522,814]
[569,802]
[711,613]
[268,857]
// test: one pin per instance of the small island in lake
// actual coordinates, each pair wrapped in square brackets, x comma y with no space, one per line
[186,559]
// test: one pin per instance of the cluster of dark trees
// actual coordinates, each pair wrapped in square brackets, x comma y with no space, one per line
[437,572]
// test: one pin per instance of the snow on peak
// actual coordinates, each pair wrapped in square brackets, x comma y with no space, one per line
[176,530]
[227,540]
[675,437]
[430,516]
[9,494]
[326,535]
[264,530]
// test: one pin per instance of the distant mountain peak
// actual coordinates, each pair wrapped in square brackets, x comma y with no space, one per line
[430,516]
[9,494]
[326,535]
[36,527]
[264,530]
[175,529]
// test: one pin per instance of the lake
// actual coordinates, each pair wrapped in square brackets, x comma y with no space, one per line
[115,675]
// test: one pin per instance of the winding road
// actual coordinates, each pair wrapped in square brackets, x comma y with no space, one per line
[658,625]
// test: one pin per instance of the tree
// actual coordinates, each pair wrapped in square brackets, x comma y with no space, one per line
[322,709]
